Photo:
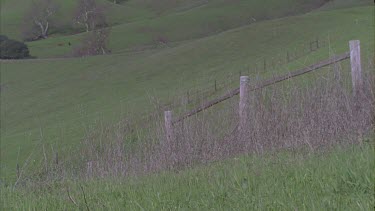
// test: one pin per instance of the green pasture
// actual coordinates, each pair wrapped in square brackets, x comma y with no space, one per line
[58,101]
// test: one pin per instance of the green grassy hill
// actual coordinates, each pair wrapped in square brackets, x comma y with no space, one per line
[12,13]
[217,14]
[59,100]
[138,24]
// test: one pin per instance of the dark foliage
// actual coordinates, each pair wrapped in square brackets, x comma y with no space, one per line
[12,49]
[3,38]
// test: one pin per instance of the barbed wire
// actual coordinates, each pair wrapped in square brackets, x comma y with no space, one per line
[261,65]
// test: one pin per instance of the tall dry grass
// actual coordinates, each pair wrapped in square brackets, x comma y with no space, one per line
[289,115]
[286,116]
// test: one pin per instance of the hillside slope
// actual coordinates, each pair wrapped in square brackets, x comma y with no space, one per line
[59,101]
[12,16]
[136,25]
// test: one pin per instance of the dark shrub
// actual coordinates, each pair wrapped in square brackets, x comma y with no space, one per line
[12,49]
[3,38]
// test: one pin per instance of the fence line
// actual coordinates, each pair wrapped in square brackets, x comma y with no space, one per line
[217,86]
[192,96]
[266,83]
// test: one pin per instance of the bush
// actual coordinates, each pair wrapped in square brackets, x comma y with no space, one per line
[3,38]
[12,49]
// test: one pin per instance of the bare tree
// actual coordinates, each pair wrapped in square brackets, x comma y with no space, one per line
[89,15]
[37,20]
[94,43]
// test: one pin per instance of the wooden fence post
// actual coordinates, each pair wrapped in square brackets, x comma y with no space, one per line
[244,101]
[168,126]
[89,169]
[356,68]
[215,86]
[18,171]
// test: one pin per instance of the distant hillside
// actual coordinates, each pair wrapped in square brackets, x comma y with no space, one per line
[12,13]
[139,23]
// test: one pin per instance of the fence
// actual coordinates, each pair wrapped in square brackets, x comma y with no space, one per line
[356,72]
[263,64]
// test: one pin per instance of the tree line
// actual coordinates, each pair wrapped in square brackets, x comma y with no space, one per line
[39,19]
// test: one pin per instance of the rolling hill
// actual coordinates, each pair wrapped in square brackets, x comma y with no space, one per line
[138,25]
[58,100]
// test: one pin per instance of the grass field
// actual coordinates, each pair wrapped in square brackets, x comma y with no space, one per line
[338,179]
[61,100]
[136,25]
[53,102]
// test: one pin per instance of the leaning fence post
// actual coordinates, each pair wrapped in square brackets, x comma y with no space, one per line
[168,126]
[244,101]
[356,68]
